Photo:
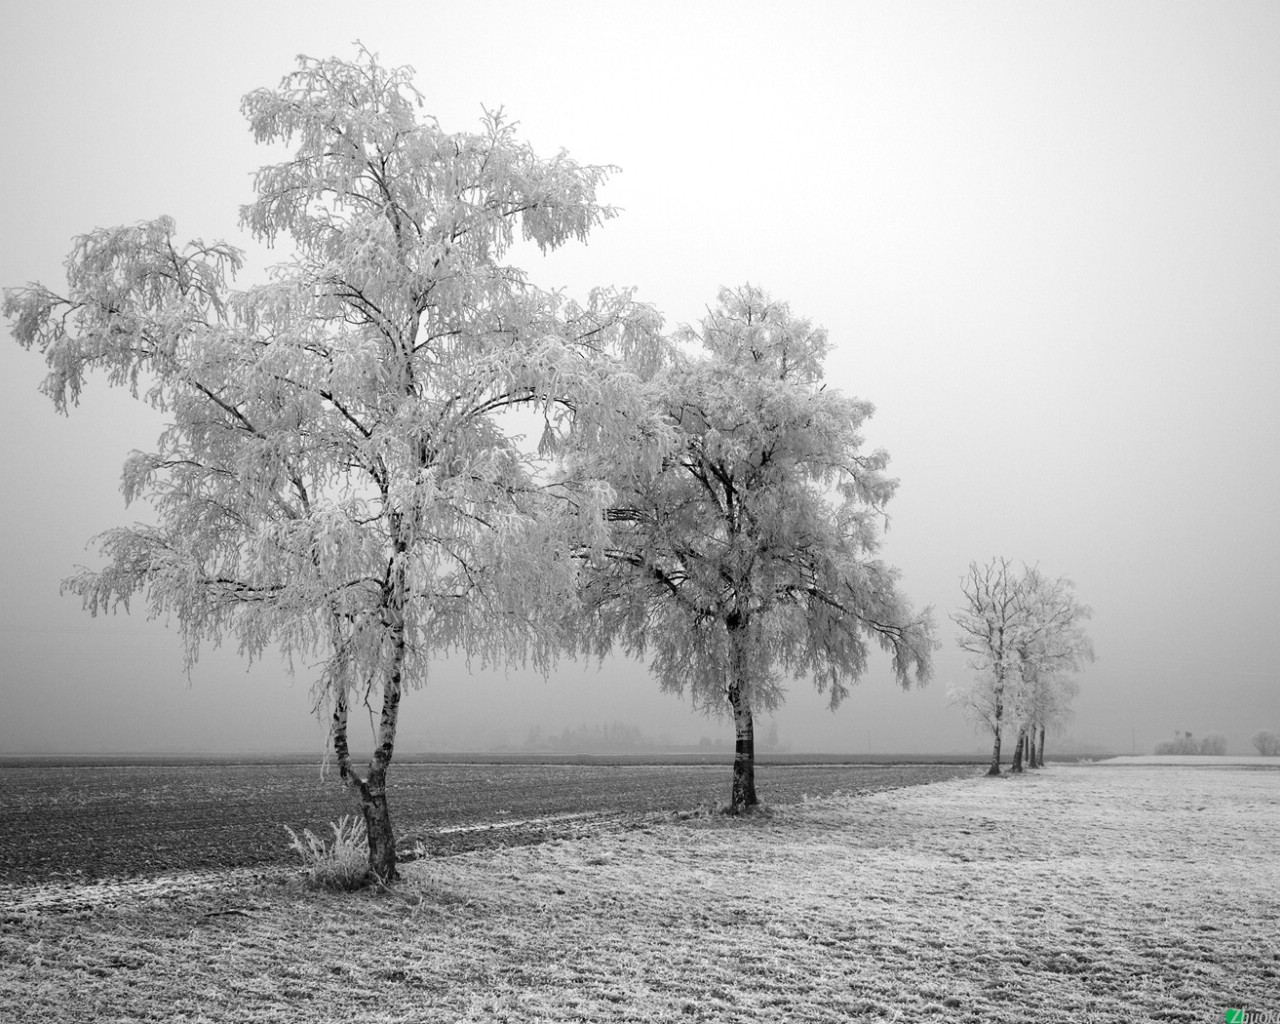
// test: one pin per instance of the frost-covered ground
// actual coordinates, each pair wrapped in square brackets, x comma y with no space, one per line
[1202,760]
[1074,894]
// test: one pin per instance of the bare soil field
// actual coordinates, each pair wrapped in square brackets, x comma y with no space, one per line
[1074,894]
[81,822]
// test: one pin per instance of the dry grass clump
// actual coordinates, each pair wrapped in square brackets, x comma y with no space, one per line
[1072,895]
[341,865]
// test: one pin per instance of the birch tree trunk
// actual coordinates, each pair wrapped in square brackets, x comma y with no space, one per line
[744,751]
[372,789]
[995,747]
[373,798]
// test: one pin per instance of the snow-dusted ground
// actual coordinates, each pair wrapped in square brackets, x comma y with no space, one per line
[1074,894]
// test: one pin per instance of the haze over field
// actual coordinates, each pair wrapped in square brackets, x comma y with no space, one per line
[1045,241]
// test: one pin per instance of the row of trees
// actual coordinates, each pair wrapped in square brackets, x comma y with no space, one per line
[1186,743]
[342,476]
[1024,634]
[1265,741]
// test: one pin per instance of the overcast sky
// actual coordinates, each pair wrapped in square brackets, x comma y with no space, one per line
[1044,238]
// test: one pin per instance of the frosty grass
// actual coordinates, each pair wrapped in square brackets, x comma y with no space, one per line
[1086,893]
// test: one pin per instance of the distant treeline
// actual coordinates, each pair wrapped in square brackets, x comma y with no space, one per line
[625,738]
[1185,743]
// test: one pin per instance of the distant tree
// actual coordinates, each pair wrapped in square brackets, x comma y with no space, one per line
[1051,703]
[1182,743]
[337,478]
[1050,643]
[743,535]
[1266,742]
[1215,744]
[1024,636]
[990,620]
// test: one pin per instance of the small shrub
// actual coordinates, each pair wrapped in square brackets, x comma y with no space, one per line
[342,864]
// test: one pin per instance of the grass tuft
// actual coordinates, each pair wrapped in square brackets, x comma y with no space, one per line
[342,865]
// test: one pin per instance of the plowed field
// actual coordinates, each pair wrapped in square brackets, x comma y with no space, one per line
[85,822]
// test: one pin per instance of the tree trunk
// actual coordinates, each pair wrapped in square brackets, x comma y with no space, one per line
[377,817]
[995,748]
[346,772]
[744,750]
[372,789]
[377,823]
[1040,749]
[1017,750]
[1031,748]
[372,794]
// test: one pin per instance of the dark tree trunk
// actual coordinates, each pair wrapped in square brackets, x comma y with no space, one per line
[1031,748]
[1040,748]
[373,795]
[1017,750]
[377,823]
[744,753]
[743,797]
[995,748]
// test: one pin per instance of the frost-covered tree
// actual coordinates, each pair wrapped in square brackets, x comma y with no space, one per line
[1024,636]
[989,620]
[337,477]
[1049,643]
[744,530]
[1049,705]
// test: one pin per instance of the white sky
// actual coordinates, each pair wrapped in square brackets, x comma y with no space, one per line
[1045,239]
